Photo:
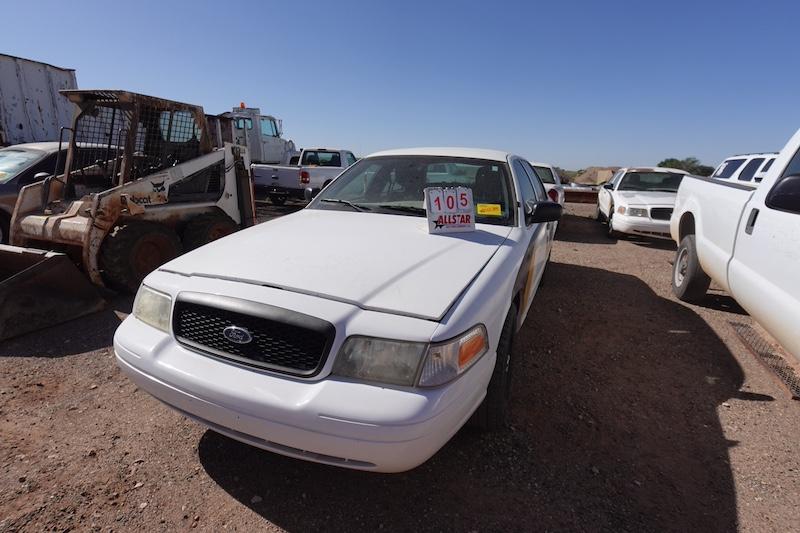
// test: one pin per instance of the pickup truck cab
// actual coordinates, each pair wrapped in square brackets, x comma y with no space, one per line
[367,341]
[747,240]
[639,201]
[551,180]
[746,168]
[317,167]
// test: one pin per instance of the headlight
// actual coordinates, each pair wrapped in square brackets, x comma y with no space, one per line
[621,210]
[637,212]
[398,362]
[152,307]
[386,361]
[447,360]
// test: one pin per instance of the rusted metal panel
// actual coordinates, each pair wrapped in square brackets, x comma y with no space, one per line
[580,195]
[31,108]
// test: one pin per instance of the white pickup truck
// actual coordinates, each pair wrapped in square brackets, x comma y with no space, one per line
[747,240]
[317,167]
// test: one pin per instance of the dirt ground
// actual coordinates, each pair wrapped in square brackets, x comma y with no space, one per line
[631,412]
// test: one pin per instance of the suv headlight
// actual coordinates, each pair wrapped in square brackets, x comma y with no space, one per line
[637,212]
[152,307]
[410,363]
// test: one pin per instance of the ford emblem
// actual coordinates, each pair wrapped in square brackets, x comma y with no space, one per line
[237,335]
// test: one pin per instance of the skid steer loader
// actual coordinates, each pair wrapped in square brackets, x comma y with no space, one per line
[143,182]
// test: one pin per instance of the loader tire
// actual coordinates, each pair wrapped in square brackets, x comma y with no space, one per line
[203,229]
[277,199]
[131,251]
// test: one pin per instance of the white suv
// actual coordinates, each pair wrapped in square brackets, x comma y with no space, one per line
[747,168]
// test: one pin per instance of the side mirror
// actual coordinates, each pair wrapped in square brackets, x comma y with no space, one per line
[785,195]
[609,186]
[539,212]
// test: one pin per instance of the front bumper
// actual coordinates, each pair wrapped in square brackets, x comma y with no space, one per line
[642,226]
[331,421]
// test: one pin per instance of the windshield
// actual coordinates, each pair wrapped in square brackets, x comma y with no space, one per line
[650,181]
[13,161]
[395,184]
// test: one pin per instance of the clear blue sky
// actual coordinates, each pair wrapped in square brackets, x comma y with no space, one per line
[572,83]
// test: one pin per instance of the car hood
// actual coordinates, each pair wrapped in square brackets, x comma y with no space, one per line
[646,197]
[381,262]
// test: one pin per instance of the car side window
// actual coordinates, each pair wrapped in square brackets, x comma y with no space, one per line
[350,158]
[541,193]
[728,168]
[769,164]
[48,164]
[525,185]
[750,168]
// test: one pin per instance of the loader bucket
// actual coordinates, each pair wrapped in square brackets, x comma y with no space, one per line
[39,289]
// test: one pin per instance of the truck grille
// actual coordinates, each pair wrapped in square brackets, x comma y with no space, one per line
[275,339]
[661,213]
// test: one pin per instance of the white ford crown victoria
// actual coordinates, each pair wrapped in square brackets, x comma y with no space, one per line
[349,333]
[639,201]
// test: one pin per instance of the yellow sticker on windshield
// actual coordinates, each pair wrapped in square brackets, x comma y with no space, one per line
[489,210]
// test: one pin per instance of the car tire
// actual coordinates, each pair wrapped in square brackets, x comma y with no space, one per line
[5,229]
[492,414]
[203,229]
[599,214]
[277,199]
[611,233]
[689,282]
[133,250]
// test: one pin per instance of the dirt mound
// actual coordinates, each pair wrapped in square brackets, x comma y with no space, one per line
[595,175]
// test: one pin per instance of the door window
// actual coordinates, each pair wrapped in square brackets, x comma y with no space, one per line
[727,168]
[268,127]
[545,174]
[750,168]
[541,193]
[350,158]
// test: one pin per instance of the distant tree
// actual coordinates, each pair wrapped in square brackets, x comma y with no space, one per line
[689,164]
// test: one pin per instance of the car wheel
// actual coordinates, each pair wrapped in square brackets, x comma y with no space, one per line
[492,414]
[610,231]
[599,214]
[689,282]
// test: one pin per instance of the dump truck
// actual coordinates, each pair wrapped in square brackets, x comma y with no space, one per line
[31,108]
[152,185]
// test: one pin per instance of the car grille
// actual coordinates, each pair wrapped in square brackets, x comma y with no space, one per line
[661,213]
[280,340]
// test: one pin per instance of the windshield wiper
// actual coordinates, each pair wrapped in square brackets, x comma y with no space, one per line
[347,203]
[403,209]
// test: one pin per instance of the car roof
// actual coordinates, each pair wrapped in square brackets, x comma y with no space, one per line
[47,146]
[654,169]
[537,164]
[472,153]
[755,154]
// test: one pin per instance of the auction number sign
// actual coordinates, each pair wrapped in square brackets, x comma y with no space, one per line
[450,209]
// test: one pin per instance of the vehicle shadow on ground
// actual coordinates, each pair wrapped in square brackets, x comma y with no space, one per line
[719,301]
[84,334]
[576,228]
[614,427]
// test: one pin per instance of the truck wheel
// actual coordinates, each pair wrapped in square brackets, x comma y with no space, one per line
[203,229]
[610,232]
[492,414]
[276,199]
[689,282]
[5,224]
[133,250]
